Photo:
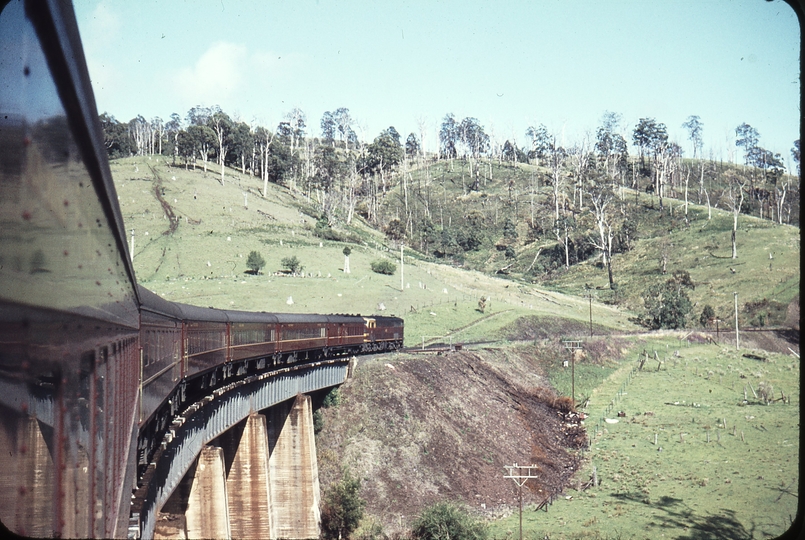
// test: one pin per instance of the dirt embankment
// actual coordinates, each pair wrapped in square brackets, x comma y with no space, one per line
[420,429]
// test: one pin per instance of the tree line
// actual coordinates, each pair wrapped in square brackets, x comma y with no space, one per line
[585,182]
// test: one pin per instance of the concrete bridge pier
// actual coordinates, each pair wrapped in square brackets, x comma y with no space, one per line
[207,512]
[257,480]
[293,470]
[247,480]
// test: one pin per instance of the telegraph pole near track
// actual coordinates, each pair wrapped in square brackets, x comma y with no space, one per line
[521,474]
[402,268]
[572,346]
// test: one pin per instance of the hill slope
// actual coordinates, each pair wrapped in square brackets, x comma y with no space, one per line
[192,237]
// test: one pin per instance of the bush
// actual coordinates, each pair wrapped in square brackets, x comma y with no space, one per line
[445,521]
[342,509]
[318,422]
[708,313]
[292,264]
[255,262]
[332,399]
[667,306]
[395,230]
[384,267]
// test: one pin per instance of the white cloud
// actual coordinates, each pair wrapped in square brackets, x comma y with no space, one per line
[217,75]
[230,75]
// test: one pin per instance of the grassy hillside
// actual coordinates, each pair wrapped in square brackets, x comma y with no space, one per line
[192,237]
[202,259]
[692,457]
[698,242]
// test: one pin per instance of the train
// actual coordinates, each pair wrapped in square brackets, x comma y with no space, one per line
[93,367]
[186,351]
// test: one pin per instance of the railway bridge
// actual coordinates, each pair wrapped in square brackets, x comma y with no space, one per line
[234,454]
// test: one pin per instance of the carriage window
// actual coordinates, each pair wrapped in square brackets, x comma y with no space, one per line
[305,332]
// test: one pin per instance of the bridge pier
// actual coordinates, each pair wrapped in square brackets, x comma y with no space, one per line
[207,512]
[247,481]
[257,480]
[293,470]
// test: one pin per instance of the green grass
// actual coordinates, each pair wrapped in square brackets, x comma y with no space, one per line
[702,248]
[204,261]
[740,484]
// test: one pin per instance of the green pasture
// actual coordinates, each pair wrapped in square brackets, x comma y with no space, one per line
[203,262]
[768,263]
[722,466]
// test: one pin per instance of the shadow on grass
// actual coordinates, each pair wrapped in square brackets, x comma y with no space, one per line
[681,518]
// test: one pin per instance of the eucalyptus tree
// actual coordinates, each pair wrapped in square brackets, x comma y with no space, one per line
[557,156]
[172,129]
[222,126]
[448,137]
[140,134]
[649,136]
[795,154]
[601,197]
[296,122]
[241,144]
[262,142]
[694,126]
[541,142]
[328,127]
[735,195]
[771,165]
[412,147]
[509,152]
[472,136]
[581,162]
[474,142]
[115,136]
[196,140]
[746,137]
[329,167]
[610,145]
[343,122]
[157,134]
[198,115]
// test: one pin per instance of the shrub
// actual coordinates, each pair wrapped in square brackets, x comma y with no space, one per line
[318,422]
[667,306]
[509,230]
[292,264]
[395,230]
[708,313]
[384,267]
[332,399]
[255,262]
[445,521]
[342,509]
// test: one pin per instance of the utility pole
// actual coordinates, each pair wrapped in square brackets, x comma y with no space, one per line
[737,340]
[572,346]
[521,475]
[402,269]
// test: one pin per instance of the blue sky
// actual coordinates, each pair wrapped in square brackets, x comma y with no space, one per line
[409,63]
